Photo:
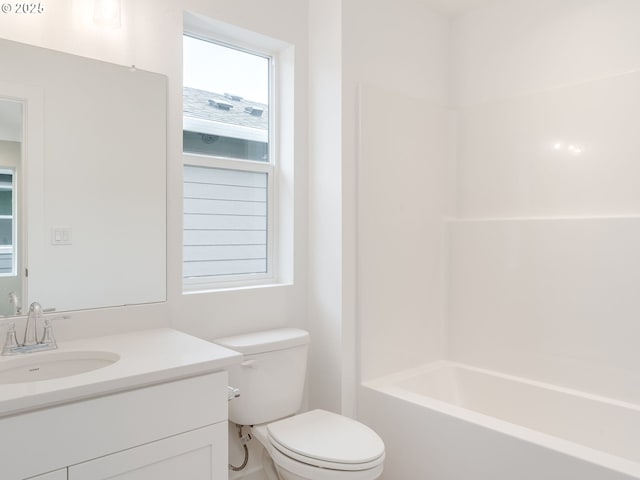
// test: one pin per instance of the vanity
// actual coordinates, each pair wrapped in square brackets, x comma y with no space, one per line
[154,407]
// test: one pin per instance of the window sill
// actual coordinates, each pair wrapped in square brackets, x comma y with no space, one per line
[232,287]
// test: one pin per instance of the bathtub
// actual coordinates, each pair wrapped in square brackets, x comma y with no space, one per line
[448,421]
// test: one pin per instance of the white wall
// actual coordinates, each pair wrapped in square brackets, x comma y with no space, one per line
[150,38]
[328,359]
[543,258]
[368,314]
[395,93]
[513,47]
[401,200]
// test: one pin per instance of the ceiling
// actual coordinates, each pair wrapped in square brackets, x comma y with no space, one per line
[454,7]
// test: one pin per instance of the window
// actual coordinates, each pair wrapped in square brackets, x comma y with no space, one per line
[229,169]
[7,223]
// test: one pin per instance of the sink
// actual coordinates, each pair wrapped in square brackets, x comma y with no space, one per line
[34,367]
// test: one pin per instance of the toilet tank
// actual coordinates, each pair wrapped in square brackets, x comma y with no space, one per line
[271,376]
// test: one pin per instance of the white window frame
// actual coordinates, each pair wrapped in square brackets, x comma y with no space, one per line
[222,282]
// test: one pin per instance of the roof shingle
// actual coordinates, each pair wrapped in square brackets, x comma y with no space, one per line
[196,103]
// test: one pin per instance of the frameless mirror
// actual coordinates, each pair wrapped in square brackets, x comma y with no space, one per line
[82,182]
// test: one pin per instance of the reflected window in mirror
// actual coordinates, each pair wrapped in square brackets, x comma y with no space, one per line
[8,228]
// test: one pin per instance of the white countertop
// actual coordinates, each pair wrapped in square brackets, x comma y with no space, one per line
[146,357]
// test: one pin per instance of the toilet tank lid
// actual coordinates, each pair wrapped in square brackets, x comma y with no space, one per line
[265,341]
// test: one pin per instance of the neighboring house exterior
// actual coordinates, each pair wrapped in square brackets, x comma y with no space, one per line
[226,186]
[226,125]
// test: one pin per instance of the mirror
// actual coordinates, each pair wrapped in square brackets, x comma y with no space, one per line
[82,182]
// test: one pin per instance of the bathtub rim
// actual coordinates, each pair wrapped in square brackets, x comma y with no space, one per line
[388,384]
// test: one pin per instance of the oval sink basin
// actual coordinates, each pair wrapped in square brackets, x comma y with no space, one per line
[46,366]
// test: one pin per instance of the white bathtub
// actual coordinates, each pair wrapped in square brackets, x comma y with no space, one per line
[448,421]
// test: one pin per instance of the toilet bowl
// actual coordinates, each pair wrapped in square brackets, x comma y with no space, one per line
[322,445]
[318,444]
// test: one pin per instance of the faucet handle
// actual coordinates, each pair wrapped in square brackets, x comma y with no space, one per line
[47,335]
[11,343]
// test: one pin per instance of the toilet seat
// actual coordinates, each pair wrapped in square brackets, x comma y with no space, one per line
[303,470]
[327,440]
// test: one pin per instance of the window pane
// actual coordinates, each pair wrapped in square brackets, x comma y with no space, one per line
[6,193]
[6,202]
[6,231]
[6,261]
[225,101]
[225,222]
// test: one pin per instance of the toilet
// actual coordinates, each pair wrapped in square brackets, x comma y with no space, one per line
[318,444]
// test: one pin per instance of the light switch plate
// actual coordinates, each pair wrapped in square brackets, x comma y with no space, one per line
[61,236]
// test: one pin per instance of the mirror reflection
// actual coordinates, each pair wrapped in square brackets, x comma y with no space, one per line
[82,182]
[11,277]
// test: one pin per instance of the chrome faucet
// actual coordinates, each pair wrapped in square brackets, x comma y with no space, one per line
[30,343]
[31,329]
[15,303]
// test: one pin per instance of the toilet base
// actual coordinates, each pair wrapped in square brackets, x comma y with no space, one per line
[269,467]
[284,474]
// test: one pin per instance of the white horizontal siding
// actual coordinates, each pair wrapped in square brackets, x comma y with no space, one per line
[224,237]
[225,222]
[200,205]
[222,267]
[224,252]
[6,262]
[224,192]
[220,176]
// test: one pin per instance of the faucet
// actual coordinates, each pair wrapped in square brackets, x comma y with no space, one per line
[31,329]
[15,303]
[30,343]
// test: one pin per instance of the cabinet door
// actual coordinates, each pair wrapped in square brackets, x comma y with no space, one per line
[197,455]
[57,475]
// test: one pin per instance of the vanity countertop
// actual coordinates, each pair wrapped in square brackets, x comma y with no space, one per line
[146,357]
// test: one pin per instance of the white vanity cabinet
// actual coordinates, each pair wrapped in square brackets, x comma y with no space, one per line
[194,455]
[169,431]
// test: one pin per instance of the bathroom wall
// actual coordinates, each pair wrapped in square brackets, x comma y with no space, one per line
[332,354]
[150,38]
[395,93]
[378,70]
[543,260]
